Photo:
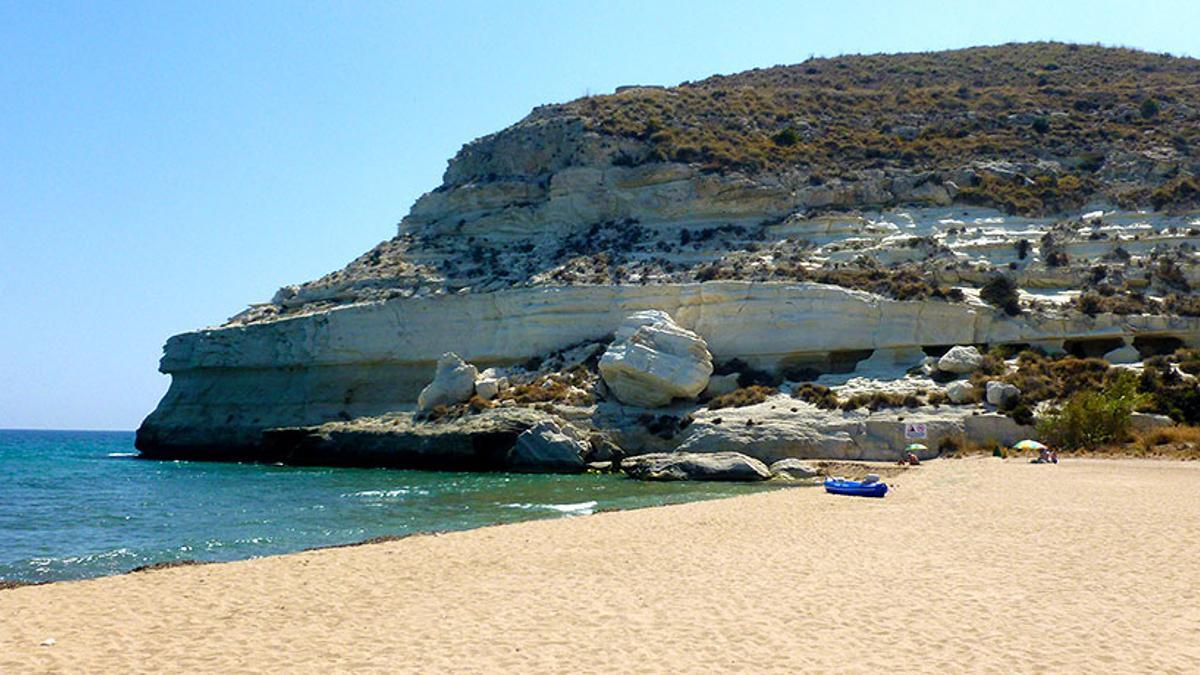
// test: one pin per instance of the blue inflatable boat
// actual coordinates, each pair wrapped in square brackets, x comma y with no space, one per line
[841,486]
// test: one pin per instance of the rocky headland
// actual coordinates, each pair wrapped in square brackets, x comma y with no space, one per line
[794,262]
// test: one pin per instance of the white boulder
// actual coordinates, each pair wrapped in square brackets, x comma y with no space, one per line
[488,384]
[1000,394]
[653,360]
[453,383]
[961,360]
[960,392]
[487,388]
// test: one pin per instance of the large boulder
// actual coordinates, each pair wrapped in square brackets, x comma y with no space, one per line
[453,383]
[653,360]
[960,392]
[1001,394]
[960,360]
[731,466]
[548,448]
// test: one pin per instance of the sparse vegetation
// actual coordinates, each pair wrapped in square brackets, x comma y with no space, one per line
[833,116]
[742,397]
[573,387]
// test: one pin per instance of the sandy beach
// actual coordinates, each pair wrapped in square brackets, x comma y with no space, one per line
[975,564]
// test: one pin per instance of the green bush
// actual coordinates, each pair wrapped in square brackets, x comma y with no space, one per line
[1149,108]
[1001,291]
[1092,418]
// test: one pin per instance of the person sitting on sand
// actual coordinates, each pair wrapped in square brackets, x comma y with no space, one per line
[1046,456]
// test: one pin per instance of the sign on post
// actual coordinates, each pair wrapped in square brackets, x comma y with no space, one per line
[915,430]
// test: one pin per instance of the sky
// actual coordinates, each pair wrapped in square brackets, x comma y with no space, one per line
[164,164]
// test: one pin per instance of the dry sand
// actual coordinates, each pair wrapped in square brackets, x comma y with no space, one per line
[976,564]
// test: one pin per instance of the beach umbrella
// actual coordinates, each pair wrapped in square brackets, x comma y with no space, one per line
[1029,444]
[916,447]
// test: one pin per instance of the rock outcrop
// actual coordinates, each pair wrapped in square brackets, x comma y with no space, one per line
[478,442]
[794,469]
[723,466]
[545,237]
[653,360]
[548,448]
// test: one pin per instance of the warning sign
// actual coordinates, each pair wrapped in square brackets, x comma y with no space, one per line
[915,430]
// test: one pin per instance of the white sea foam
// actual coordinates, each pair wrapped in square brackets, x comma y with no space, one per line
[579,509]
[122,454]
[397,492]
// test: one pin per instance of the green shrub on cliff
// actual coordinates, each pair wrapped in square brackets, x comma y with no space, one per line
[1093,418]
[1001,291]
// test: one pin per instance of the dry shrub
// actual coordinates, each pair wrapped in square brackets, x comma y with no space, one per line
[1041,378]
[818,395]
[748,375]
[1182,305]
[572,387]
[739,398]
[961,446]
[1116,302]
[878,400]
[447,413]
[1172,436]
[900,284]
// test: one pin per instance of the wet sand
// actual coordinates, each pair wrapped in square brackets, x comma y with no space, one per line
[975,564]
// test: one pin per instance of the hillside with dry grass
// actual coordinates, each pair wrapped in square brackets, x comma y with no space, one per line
[1117,121]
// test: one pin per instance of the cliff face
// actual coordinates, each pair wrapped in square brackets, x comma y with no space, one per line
[790,216]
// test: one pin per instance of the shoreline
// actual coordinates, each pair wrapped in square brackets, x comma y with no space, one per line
[890,470]
[970,564]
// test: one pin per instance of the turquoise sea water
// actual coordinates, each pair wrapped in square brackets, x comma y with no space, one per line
[79,504]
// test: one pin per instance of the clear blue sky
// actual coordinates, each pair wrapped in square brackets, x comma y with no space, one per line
[162,164]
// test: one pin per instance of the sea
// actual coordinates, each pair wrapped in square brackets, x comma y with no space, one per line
[81,504]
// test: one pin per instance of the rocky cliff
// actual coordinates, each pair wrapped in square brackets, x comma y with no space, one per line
[810,220]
